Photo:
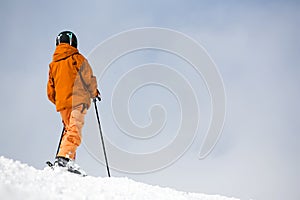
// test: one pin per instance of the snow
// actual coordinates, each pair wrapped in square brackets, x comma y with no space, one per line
[20,181]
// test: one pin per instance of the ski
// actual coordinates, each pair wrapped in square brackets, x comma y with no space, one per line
[70,169]
[50,164]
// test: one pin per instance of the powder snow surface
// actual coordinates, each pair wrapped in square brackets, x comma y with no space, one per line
[20,181]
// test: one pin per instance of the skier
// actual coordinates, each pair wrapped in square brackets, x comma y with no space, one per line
[71,85]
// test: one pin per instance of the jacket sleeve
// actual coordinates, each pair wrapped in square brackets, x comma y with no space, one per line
[89,80]
[51,87]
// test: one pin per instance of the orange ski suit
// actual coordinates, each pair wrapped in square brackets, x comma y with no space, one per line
[71,85]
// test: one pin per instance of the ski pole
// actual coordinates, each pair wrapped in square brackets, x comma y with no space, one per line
[62,134]
[106,162]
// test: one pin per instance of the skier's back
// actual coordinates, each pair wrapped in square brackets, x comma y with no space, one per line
[71,85]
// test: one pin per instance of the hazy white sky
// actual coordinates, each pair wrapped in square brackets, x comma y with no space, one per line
[255,46]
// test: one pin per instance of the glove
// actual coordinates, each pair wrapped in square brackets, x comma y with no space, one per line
[98,96]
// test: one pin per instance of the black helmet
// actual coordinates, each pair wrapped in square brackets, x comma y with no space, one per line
[67,37]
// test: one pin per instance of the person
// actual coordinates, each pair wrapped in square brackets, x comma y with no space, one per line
[71,86]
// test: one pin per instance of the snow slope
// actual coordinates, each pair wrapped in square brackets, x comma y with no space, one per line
[20,181]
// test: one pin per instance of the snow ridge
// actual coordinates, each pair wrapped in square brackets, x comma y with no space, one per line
[20,181]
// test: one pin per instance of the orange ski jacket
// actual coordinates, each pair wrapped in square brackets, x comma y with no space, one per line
[71,81]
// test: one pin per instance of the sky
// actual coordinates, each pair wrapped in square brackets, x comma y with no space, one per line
[255,46]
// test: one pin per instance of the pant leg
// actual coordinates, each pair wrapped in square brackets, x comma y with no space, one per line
[73,120]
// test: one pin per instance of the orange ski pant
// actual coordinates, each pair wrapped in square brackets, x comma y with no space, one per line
[73,120]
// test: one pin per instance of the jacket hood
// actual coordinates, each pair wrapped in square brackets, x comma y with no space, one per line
[63,51]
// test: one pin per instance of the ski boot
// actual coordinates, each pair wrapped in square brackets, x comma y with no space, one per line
[69,164]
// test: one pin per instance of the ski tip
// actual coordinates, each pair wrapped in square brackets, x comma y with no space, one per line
[50,164]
